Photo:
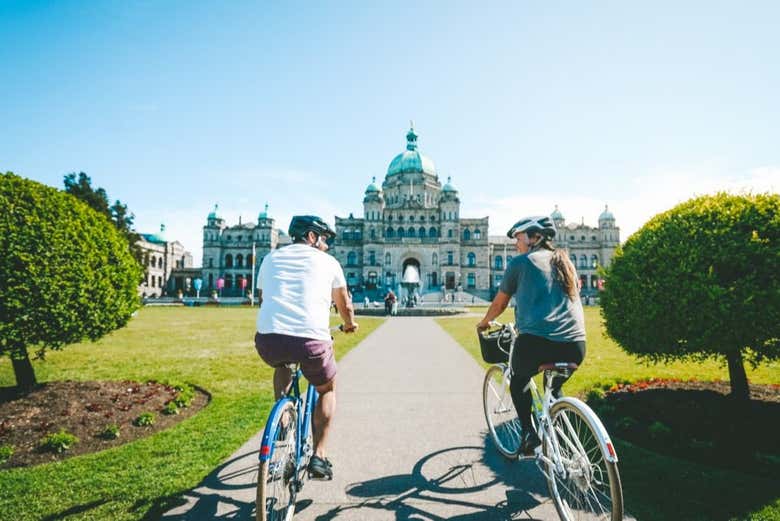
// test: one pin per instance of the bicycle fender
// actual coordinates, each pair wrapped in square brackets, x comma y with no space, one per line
[269,432]
[601,431]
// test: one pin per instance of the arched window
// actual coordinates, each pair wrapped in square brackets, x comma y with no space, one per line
[449,234]
[583,261]
[228,281]
[499,262]
[154,261]
[388,259]
[228,261]
[435,259]
[466,235]
[411,232]
[351,258]
[239,261]
[472,280]
[401,232]
[371,257]
[472,259]
[211,280]
[421,232]
[432,232]
[573,259]
[477,234]
[372,234]
[594,261]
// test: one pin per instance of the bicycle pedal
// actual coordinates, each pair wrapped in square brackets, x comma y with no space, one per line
[319,478]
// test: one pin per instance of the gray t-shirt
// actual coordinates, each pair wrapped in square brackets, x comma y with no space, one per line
[542,307]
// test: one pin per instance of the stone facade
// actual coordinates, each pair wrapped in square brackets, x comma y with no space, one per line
[415,220]
[228,254]
[161,260]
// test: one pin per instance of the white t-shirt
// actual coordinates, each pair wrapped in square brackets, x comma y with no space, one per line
[296,281]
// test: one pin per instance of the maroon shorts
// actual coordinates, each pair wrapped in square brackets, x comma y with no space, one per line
[318,364]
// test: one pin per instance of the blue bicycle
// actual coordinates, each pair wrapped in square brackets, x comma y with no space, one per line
[286,447]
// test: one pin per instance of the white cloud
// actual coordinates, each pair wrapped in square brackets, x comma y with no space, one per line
[649,194]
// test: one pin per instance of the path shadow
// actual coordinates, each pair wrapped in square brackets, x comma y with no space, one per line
[456,477]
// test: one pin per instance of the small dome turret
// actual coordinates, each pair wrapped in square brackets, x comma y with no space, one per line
[214,214]
[448,187]
[372,188]
[556,215]
[606,214]
[264,214]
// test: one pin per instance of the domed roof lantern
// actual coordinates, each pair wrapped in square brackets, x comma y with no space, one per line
[264,213]
[411,137]
[372,187]
[214,214]
[411,160]
[448,187]
[556,215]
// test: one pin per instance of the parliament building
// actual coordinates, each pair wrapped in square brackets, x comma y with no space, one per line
[410,220]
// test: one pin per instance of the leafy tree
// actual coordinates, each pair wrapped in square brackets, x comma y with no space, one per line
[701,280]
[67,273]
[97,199]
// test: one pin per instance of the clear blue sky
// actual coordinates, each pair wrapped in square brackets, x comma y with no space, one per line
[175,106]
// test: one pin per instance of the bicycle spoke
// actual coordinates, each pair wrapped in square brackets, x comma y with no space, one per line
[588,488]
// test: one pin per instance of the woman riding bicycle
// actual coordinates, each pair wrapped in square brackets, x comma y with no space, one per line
[548,313]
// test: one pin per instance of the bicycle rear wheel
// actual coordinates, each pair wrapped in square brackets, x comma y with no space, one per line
[588,486]
[277,483]
[500,413]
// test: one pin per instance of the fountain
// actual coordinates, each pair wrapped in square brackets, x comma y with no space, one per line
[410,282]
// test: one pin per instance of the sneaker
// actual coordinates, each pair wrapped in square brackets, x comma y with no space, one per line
[528,442]
[320,468]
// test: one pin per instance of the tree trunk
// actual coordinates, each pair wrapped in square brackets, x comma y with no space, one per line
[739,383]
[23,370]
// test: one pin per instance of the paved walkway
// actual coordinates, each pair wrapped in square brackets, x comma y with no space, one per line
[409,442]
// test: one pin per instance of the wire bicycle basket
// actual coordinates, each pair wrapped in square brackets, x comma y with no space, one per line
[495,345]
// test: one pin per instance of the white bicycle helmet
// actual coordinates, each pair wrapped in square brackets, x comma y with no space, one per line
[534,224]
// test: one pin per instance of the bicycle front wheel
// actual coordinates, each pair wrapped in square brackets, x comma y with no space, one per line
[277,483]
[583,483]
[500,412]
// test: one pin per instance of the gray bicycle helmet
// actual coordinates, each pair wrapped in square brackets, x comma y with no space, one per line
[534,224]
[300,225]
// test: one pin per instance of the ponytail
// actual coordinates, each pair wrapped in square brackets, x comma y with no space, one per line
[562,268]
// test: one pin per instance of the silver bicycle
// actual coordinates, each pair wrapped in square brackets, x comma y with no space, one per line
[576,455]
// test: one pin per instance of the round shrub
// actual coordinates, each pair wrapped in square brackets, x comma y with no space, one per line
[68,274]
[698,281]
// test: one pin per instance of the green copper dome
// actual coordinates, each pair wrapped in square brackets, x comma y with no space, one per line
[372,187]
[264,213]
[448,187]
[213,214]
[411,160]
[557,215]
[606,214]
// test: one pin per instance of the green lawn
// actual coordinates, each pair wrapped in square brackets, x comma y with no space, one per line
[657,487]
[209,347]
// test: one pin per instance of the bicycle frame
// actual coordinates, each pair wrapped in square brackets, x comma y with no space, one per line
[541,408]
[293,395]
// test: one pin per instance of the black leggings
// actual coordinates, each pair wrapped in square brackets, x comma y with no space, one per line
[530,352]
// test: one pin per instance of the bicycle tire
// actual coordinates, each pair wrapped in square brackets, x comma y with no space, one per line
[500,414]
[589,489]
[277,480]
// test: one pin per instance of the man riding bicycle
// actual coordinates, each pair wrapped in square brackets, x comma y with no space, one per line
[297,284]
